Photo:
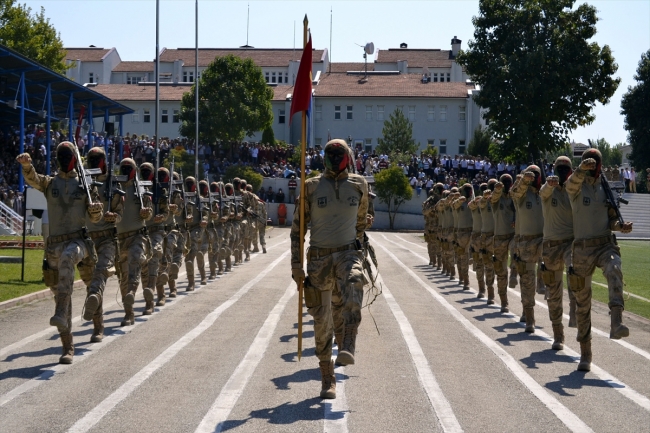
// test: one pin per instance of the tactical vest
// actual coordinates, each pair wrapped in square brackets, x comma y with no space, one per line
[131,218]
[590,212]
[102,224]
[504,216]
[477,222]
[66,205]
[464,216]
[558,217]
[487,218]
[447,218]
[531,219]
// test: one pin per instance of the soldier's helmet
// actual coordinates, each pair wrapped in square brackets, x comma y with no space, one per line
[506,180]
[595,154]
[128,168]
[453,190]
[249,188]
[483,187]
[537,183]
[467,190]
[147,171]
[190,184]
[203,187]
[242,184]
[163,175]
[66,156]
[214,187]
[562,168]
[445,193]
[236,183]
[491,184]
[177,176]
[96,158]
[438,188]
[337,155]
[229,188]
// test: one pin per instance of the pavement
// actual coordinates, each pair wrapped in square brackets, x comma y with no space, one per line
[429,357]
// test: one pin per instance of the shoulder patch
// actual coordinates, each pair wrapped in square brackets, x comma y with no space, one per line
[322,201]
[586,201]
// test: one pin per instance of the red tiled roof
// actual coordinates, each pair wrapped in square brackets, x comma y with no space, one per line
[280,92]
[345,67]
[134,92]
[134,67]
[86,54]
[262,57]
[416,58]
[388,86]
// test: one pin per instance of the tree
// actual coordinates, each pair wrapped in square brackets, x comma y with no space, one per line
[480,142]
[540,76]
[634,106]
[268,136]
[235,102]
[611,155]
[393,189]
[397,135]
[31,35]
[243,172]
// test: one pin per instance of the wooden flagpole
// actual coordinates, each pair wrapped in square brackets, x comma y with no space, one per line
[303,150]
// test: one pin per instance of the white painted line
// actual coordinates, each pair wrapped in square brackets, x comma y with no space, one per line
[233,389]
[95,415]
[609,379]
[559,410]
[439,402]
[336,412]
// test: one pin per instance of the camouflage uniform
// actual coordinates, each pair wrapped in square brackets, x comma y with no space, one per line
[196,230]
[475,246]
[504,232]
[218,241]
[430,224]
[463,233]
[261,228]
[174,242]
[487,241]
[447,236]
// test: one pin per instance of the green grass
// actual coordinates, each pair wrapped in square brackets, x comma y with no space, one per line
[20,238]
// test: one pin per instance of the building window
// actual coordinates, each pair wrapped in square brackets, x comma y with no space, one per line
[177,116]
[448,77]
[461,146]
[442,149]
[348,114]
[146,117]
[91,78]
[273,78]
[435,77]
[319,112]
[443,113]
[318,141]
[368,112]
[431,113]
[133,80]
[280,77]
[286,78]
[380,112]
[337,112]
[136,117]
[461,113]
[401,108]
[281,116]
[188,76]
[266,77]
[412,113]
[430,142]
[164,116]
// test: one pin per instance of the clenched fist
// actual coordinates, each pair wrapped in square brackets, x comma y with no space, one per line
[24,159]
[553,181]
[203,224]
[498,186]
[173,207]
[189,220]
[146,213]
[588,164]
[298,275]
[369,220]
[95,208]
[463,199]
[110,217]
[529,176]
[158,219]
[625,228]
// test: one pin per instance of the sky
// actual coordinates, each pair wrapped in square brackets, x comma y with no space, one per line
[130,27]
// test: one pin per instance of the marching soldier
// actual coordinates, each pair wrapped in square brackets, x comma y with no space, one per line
[463,232]
[487,236]
[215,236]
[504,232]
[248,224]
[176,239]
[232,227]
[594,219]
[262,227]
[67,243]
[475,245]
[336,205]
[197,221]
[430,221]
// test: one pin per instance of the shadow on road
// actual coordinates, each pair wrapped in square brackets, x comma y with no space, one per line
[548,356]
[576,380]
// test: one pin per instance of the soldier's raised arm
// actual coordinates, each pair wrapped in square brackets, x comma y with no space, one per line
[33,179]
[577,178]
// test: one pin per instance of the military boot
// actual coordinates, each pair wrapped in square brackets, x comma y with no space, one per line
[228,263]
[558,337]
[328,380]
[490,295]
[68,348]
[522,318]
[504,303]
[346,353]
[466,282]
[530,319]
[189,266]
[573,323]
[93,302]
[61,312]
[248,255]
[148,301]
[264,249]
[200,262]
[98,328]
[172,288]
[512,282]
[162,279]
[160,291]
[481,293]
[220,267]
[129,317]
[173,271]
[585,356]
[256,249]
[618,330]
[213,271]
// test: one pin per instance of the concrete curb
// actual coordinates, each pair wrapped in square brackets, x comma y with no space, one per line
[31,297]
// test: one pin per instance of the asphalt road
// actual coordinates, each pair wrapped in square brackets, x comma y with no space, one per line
[224,358]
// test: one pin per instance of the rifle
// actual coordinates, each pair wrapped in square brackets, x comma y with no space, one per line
[172,182]
[110,189]
[85,175]
[223,198]
[140,190]
[615,203]
[255,215]
[184,195]
[210,196]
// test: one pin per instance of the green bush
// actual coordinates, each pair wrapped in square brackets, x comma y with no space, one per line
[244,172]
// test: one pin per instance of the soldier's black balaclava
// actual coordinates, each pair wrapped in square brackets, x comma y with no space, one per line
[65,157]
[491,184]
[467,191]
[229,189]
[337,155]
[97,158]
[483,187]
[163,175]
[595,154]
[537,182]
[506,180]
[438,188]
[128,168]
[563,169]
[236,183]
[146,171]
[190,184]
[214,187]
[203,188]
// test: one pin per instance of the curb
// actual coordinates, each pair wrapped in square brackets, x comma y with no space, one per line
[31,297]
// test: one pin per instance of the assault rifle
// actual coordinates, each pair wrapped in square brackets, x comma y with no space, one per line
[140,190]
[185,195]
[224,200]
[615,203]
[172,182]
[111,189]
[85,175]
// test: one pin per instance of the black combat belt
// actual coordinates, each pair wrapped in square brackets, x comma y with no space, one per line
[142,231]
[463,230]
[530,237]
[551,244]
[501,237]
[593,242]
[108,233]
[322,252]
[81,234]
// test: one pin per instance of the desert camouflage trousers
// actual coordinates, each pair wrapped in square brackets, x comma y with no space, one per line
[433,246]
[477,260]
[339,277]
[217,249]
[556,255]
[154,266]
[62,257]
[447,240]
[94,275]
[502,245]
[261,230]
[236,239]
[487,250]
[172,253]
[529,250]
[463,238]
[585,260]
[135,251]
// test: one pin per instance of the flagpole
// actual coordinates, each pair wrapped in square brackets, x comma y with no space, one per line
[196,93]
[303,150]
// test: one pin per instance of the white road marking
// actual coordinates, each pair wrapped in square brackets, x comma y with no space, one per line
[573,422]
[96,414]
[336,412]
[233,389]
[609,379]
[439,402]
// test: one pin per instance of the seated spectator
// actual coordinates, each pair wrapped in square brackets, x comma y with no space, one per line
[270,195]
[279,196]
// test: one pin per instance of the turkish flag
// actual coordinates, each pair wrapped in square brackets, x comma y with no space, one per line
[302,89]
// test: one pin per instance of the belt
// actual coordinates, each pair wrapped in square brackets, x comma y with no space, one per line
[321,252]
[530,237]
[550,244]
[171,227]
[125,235]
[156,229]
[463,230]
[102,233]
[487,234]
[68,237]
[593,242]
[501,237]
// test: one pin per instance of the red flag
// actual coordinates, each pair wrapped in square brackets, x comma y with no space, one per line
[302,88]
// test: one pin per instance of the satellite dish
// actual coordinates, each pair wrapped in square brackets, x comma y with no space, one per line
[369,48]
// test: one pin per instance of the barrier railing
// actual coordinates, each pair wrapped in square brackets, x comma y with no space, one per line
[10,220]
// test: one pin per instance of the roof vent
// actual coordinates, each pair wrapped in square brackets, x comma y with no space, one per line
[403,45]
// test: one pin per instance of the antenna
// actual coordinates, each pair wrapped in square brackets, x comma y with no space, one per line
[369,48]
[248,16]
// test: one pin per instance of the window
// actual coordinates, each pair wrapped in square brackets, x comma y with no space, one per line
[368,141]
[133,80]
[266,77]
[461,113]
[431,113]
[273,78]
[176,117]
[380,112]
[448,77]
[368,112]
[286,78]
[164,116]
[412,113]
[188,76]
[281,116]
[280,77]
[319,112]
[443,113]
[91,77]
[318,141]
[348,115]
[146,117]
[337,112]
[442,149]
[435,77]
[430,142]
[136,117]
[461,146]
[401,108]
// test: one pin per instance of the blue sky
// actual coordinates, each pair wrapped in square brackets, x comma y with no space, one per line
[129,26]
